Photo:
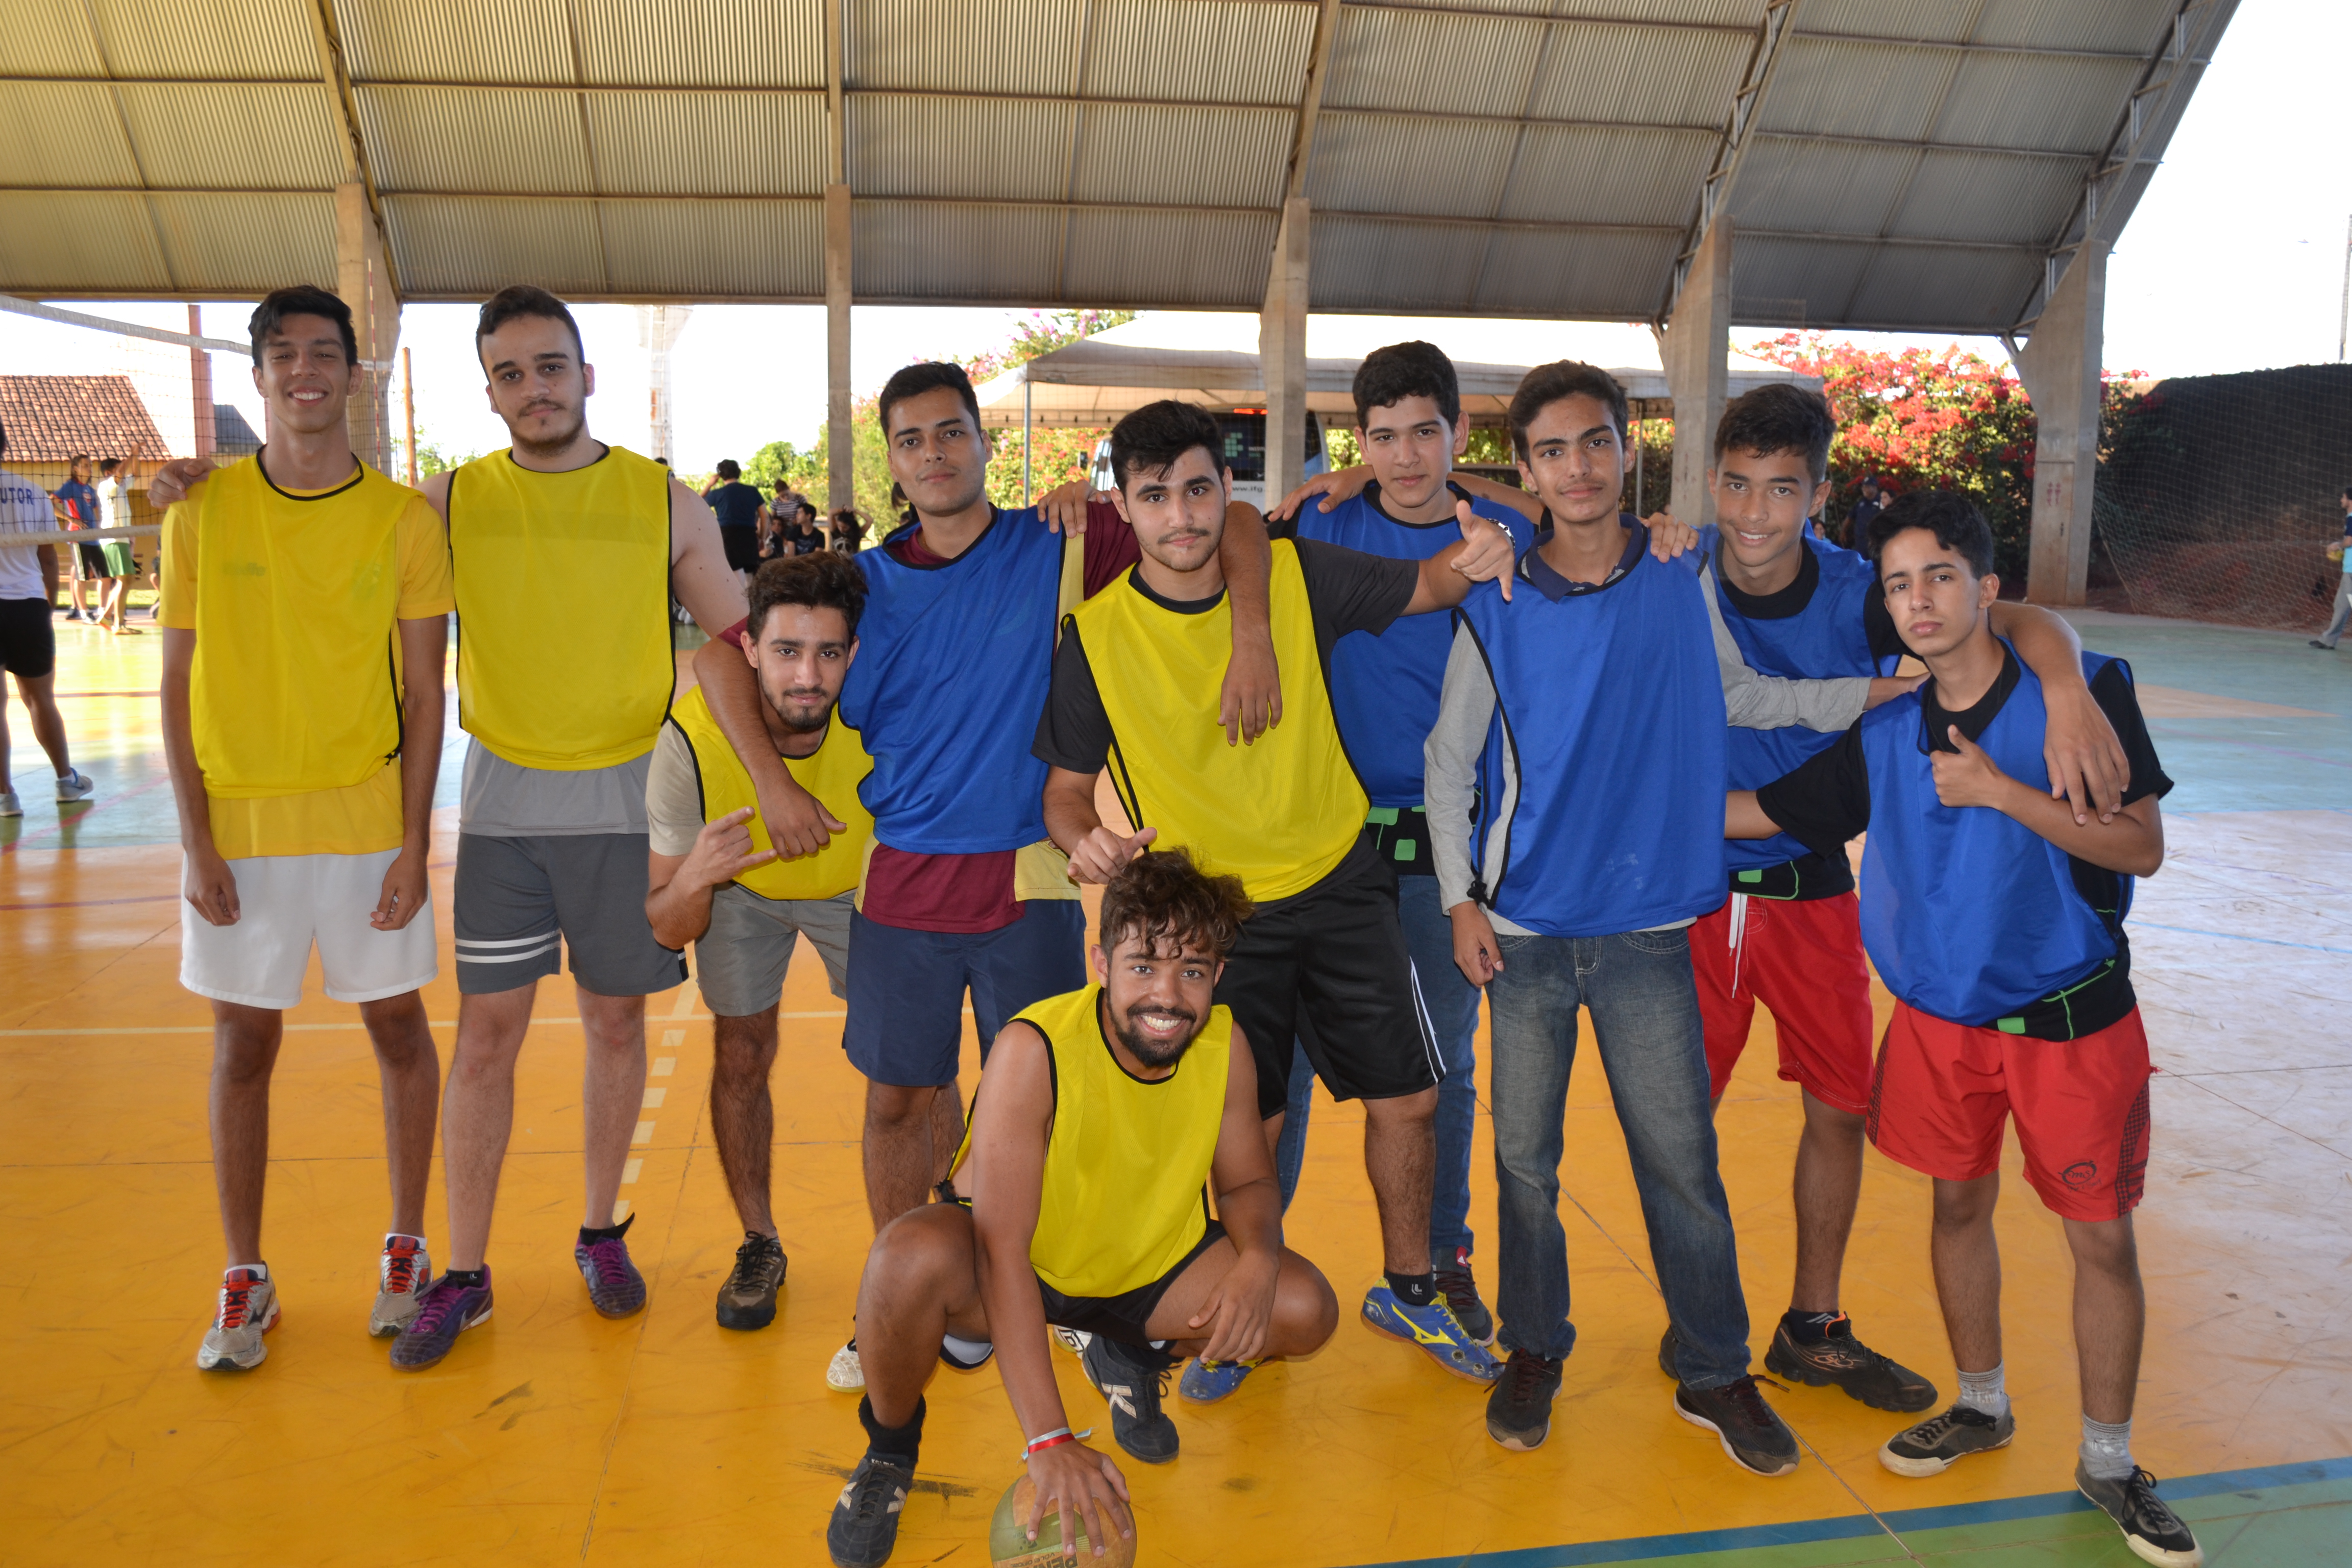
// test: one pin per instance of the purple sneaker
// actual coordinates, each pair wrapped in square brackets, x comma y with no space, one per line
[615,1288]
[443,1309]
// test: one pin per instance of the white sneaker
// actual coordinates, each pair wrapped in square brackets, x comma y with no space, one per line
[402,1275]
[846,1374]
[1074,1340]
[76,785]
[9,804]
[248,1310]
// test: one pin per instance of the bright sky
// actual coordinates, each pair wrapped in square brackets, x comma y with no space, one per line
[2234,260]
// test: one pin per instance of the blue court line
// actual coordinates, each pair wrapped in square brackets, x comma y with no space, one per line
[2234,936]
[1646,1548]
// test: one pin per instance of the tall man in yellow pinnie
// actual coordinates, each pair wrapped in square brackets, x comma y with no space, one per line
[305,612]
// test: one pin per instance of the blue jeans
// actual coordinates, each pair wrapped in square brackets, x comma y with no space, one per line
[1646,1020]
[1452,1003]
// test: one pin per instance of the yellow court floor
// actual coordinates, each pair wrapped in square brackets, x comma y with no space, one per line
[552,1435]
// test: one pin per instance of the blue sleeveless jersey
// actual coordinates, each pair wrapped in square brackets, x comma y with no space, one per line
[1613,705]
[953,664]
[1384,689]
[1824,640]
[1968,915]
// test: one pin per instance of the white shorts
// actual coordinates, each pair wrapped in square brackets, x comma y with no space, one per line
[284,903]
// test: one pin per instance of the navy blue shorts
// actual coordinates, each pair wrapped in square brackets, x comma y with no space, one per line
[906,987]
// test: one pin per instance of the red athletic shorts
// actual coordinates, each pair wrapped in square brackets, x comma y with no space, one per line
[1943,1091]
[1802,960]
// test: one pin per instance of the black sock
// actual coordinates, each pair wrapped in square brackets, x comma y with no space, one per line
[1414,1289]
[589,1237]
[466,1278]
[1812,1328]
[892,1442]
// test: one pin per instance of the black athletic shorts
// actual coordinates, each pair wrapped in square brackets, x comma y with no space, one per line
[742,548]
[93,560]
[1125,1317]
[28,644]
[1328,967]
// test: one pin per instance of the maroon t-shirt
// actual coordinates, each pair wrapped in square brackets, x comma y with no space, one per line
[972,893]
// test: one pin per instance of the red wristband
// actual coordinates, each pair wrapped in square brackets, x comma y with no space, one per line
[1050,1440]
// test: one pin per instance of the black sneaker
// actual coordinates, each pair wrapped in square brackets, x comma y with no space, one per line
[1842,1360]
[2151,1529]
[1134,1389]
[864,1525]
[1756,1438]
[1460,1293]
[748,1300]
[1937,1443]
[1519,1411]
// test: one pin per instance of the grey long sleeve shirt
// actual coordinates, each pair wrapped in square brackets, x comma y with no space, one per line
[1752,700]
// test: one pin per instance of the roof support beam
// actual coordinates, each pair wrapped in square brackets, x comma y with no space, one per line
[2060,371]
[1282,351]
[364,281]
[840,448]
[1746,107]
[1310,100]
[335,73]
[1695,351]
[2142,133]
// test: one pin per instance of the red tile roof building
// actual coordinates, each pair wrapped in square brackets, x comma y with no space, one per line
[50,418]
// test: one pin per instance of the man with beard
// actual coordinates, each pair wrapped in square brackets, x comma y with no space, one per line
[715,878]
[1103,1121]
[963,894]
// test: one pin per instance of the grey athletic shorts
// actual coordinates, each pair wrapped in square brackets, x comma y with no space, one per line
[740,961]
[519,900]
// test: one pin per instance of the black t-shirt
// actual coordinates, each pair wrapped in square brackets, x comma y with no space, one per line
[737,504]
[1825,801]
[1346,590]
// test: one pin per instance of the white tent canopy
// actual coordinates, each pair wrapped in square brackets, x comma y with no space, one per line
[1093,382]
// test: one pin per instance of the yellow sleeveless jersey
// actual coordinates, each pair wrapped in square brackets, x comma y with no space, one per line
[563,629]
[832,773]
[295,686]
[1126,1161]
[1280,814]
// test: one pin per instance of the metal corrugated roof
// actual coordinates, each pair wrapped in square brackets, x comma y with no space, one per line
[1912,162]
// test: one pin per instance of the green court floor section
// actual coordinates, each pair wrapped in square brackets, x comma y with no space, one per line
[2282,1516]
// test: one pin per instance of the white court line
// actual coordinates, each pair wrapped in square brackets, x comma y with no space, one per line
[654,1097]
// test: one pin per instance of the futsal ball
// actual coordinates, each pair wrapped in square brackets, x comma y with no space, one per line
[1008,1545]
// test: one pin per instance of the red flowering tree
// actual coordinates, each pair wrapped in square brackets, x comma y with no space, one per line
[1942,418]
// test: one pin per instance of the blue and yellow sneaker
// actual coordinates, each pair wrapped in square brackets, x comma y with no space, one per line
[1205,1382]
[1435,1329]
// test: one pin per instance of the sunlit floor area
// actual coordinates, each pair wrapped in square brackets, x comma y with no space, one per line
[553,1435]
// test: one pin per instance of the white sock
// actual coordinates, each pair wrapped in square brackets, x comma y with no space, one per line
[1984,1390]
[966,1349]
[2106,1449]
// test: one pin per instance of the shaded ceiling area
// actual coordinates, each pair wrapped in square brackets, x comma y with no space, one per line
[1887,164]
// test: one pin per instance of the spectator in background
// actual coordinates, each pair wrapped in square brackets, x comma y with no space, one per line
[848,531]
[2342,551]
[802,538]
[1857,527]
[28,645]
[77,509]
[738,506]
[122,560]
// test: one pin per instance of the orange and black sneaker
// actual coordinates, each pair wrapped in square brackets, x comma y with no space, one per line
[1838,1360]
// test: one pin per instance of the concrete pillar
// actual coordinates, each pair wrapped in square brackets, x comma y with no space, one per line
[1282,354]
[363,282]
[2060,368]
[204,434]
[1695,349]
[840,448]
